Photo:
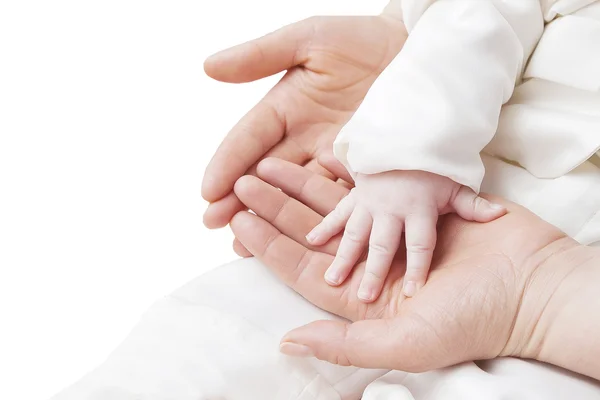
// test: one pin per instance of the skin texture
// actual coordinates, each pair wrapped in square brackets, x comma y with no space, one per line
[380,209]
[331,63]
[513,287]
[488,293]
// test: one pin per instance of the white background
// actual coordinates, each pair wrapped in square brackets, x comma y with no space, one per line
[106,124]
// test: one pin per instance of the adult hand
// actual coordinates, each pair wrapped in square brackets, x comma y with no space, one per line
[490,290]
[331,61]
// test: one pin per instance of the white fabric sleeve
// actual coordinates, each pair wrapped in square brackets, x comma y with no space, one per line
[436,106]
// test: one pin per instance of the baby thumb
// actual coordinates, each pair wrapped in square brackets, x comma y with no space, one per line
[473,207]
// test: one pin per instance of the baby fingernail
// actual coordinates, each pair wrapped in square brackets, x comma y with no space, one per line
[311,237]
[332,277]
[295,350]
[410,289]
[496,206]
[365,294]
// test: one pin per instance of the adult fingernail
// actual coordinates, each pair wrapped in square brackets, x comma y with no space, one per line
[295,350]
[410,289]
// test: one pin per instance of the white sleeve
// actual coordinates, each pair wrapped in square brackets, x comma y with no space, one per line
[436,106]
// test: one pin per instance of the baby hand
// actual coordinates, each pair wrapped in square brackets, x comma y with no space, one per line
[379,209]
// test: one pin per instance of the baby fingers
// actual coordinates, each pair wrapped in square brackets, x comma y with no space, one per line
[333,223]
[351,247]
[472,207]
[383,244]
[421,235]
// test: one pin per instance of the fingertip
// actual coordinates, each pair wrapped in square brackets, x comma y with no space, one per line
[498,209]
[312,238]
[316,237]
[244,186]
[208,189]
[266,167]
[216,65]
[295,350]
[240,221]
[410,288]
[240,249]
[212,219]
[316,332]
[474,207]
[220,213]
[209,64]
[333,277]
[365,296]
[338,272]
[370,286]
[491,212]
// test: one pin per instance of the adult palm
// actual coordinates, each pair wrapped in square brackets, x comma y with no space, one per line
[485,296]
[331,61]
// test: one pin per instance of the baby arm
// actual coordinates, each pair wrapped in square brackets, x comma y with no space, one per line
[413,146]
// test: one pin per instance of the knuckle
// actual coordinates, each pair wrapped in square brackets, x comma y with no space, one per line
[374,274]
[380,248]
[345,260]
[416,271]
[353,236]
[336,215]
[419,248]
[476,202]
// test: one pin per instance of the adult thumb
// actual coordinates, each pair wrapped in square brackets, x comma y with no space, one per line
[266,56]
[379,344]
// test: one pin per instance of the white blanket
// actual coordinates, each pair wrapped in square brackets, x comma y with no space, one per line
[218,338]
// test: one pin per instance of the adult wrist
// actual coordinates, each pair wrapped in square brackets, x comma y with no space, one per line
[562,306]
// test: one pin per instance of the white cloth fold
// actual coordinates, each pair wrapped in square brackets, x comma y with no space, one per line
[217,337]
[439,103]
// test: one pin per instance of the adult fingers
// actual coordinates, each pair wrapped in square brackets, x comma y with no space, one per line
[330,163]
[317,192]
[376,343]
[240,250]
[286,214]
[260,132]
[219,213]
[407,342]
[298,267]
[314,166]
[262,57]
